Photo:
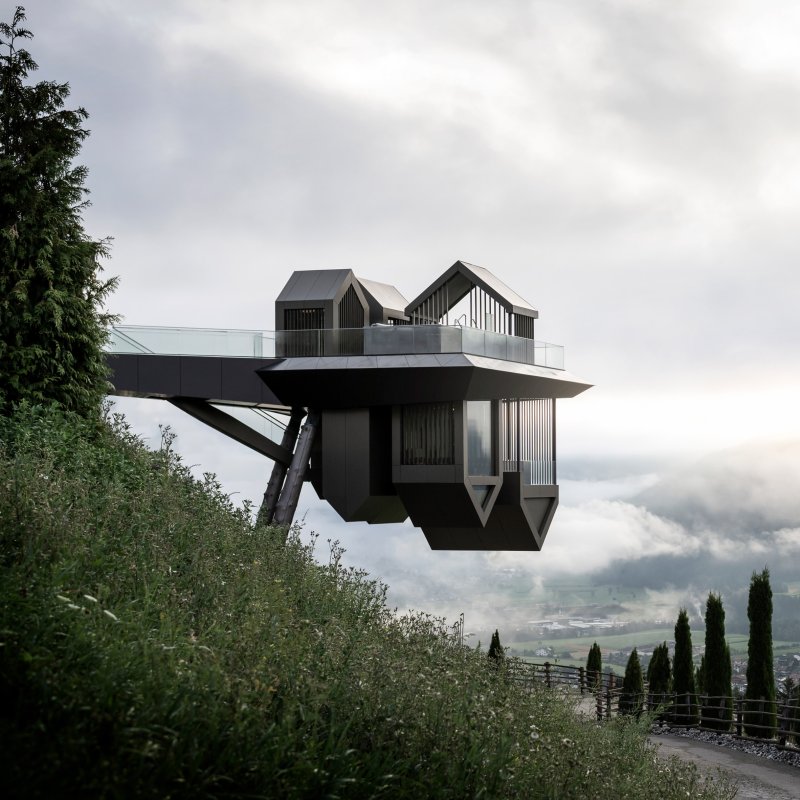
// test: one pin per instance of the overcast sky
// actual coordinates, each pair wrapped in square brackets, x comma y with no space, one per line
[631,168]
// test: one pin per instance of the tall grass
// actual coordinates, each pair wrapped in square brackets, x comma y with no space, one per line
[153,643]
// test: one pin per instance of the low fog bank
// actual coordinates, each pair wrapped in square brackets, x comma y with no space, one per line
[673,535]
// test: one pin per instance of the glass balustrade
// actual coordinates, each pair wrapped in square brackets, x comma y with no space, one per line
[191,341]
[374,340]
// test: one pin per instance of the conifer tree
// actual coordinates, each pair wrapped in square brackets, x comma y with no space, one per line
[594,667]
[700,676]
[658,677]
[52,327]
[760,695]
[715,669]
[683,673]
[632,697]
[496,651]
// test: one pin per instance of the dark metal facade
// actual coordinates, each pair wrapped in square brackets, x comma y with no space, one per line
[401,422]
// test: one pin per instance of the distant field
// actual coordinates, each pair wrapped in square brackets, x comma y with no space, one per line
[580,645]
[643,640]
[738,645]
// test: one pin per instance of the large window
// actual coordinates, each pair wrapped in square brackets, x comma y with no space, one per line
[480,438]
[428,434]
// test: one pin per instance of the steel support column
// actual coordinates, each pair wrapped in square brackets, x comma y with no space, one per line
[287,502]
[267,511]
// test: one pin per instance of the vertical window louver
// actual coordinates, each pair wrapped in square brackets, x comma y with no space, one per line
[428,434]
[527,439]
[351,312]
[301,332]
[523,326]
[303,319]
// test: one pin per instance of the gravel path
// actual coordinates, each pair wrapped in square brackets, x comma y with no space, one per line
[762,771]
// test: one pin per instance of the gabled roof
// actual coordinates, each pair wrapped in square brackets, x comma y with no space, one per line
[476,276]
[385,295]
[314,284]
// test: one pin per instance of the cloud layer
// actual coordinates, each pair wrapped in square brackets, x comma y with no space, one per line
[630,168]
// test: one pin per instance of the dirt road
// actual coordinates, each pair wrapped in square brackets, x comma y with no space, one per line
[758,778]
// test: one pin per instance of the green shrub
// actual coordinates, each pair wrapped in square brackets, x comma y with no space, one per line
[154,643]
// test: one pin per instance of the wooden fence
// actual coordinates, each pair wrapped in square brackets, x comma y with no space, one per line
[699,711]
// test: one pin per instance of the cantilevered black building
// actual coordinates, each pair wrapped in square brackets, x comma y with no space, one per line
[442,409]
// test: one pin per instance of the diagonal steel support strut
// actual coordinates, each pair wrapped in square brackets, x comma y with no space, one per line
[267,511]
[287,502]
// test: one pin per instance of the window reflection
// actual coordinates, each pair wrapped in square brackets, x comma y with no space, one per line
[479,437]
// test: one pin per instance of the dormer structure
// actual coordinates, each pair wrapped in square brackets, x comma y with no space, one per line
[472,296]
[442,409]
[321,299]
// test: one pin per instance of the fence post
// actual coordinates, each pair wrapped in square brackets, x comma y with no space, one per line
[608,694]
[582,679]
[782,720]
[739,717]
[547,673]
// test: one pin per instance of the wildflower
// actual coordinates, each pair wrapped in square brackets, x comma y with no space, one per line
[110,615]
[90,598]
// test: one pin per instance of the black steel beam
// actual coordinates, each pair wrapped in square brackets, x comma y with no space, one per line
[230,426]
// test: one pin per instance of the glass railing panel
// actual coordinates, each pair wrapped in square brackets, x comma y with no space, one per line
[388,339]
[451,338]
[343,342]
[191,341]
[473,340]
[427,339]
[497,345]
[120,342]
[296,344]
[553,356]
[517,349]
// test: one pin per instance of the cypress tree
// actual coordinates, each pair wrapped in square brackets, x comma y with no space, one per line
[683,673]
[699,675]
[716,669]
[52,328]
[760,695]
[658,677]
[632,697]
[496,651]
[594,667]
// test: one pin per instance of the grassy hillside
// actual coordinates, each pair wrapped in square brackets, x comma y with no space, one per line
[154,644]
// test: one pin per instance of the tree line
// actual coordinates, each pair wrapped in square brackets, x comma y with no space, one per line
[705,693]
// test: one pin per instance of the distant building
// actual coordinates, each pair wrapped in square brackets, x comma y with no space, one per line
[442,409]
